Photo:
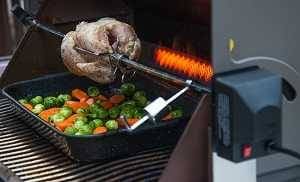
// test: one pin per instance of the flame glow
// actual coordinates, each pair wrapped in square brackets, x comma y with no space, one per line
[181,63]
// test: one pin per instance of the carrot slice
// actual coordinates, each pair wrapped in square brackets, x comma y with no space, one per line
[28,106]
[79,94]
[66,123]
[101,98]
[49,112]
[90,101]
[167,117]
[62,125]
[72,118]
[117,99]
[131,121]
[83,99]
[100,130]
[106,104]
[75,105]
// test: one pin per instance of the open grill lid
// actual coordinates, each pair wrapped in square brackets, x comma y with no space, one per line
[122,61]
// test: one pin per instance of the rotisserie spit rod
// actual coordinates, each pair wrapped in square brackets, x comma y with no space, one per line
[28,20]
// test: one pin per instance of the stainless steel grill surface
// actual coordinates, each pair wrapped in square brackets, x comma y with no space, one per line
[25,156]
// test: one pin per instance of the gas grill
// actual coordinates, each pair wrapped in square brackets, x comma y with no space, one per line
[246,87]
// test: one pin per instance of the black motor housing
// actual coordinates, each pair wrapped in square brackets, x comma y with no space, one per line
[247,110]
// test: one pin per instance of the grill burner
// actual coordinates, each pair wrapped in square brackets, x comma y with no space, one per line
[191,66]
[31,158]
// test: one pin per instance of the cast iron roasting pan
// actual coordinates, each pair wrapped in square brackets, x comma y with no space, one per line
[106,146]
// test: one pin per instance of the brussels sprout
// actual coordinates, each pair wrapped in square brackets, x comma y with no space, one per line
[148,102]
[38,108]
[92,116]
[57,118]
[81,111]
[36,100]
[97,112]
[138,94]
[23,101]
[94,108]
[128,104]
[141,101]
[50,102]
[79,133]
[78,124]
[138,113]
[177,113]
[98,102]
[114,112]
[102,113]
[111,125]
[86,130]
[127,112]
[82,118]
[98,122]
[127,89]
[62,98]
[93,91]
[92,125]
[71,130]
[66,111]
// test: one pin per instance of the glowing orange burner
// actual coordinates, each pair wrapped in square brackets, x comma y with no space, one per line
[191,66]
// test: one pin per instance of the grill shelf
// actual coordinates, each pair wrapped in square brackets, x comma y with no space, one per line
[25,156]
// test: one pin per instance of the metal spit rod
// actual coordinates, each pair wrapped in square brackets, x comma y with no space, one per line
[28,20]
[151,71]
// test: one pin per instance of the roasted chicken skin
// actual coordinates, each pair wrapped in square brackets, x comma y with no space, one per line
[106,35]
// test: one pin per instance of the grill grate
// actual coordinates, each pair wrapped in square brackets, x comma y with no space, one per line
[29,157]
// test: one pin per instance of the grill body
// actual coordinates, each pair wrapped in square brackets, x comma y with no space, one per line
[258,28]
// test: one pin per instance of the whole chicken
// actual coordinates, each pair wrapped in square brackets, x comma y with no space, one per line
[107,35]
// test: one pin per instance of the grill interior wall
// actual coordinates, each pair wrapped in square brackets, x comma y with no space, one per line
[181,25]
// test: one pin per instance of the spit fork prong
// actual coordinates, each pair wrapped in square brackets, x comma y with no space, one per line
[87,52]
[125,122]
